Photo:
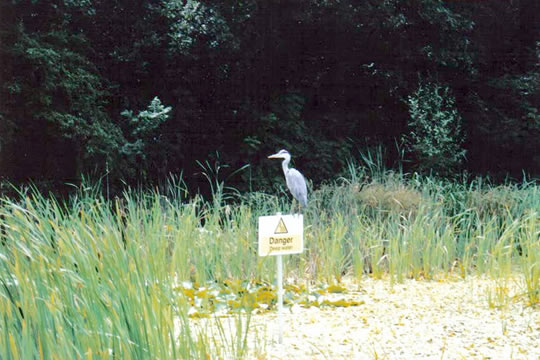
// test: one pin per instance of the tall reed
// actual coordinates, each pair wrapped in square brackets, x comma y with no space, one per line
[97,277]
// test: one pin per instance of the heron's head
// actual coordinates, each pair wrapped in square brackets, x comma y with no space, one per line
[281,154]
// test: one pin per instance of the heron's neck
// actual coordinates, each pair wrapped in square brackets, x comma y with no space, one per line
[285,165]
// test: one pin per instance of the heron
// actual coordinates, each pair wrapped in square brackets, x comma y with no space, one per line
[295,180]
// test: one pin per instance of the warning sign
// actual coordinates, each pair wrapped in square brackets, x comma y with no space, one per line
[281,228]
[281,234]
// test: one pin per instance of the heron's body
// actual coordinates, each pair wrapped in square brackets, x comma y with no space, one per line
[295,180]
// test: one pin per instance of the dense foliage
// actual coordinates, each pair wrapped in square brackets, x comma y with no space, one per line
[232,81]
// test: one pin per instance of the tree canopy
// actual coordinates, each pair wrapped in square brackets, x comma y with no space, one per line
[143,88]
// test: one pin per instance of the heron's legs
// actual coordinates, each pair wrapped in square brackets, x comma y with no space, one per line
[295,204]
[291,210]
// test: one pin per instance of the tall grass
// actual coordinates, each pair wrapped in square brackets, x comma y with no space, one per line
[96,277]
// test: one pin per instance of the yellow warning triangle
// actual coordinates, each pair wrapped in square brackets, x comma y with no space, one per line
[281,228]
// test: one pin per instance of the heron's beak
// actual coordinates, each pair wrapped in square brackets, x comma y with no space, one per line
[275,156]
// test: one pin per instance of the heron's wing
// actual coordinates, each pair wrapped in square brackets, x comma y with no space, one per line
[297,185]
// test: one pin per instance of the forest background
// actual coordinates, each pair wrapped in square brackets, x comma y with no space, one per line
[137,90]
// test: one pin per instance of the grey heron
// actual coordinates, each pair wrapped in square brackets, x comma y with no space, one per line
[295,180]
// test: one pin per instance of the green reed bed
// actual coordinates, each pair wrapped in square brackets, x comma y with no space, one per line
[98,278]
[95,279]
[417,227]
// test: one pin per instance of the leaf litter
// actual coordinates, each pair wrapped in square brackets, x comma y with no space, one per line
[375,319]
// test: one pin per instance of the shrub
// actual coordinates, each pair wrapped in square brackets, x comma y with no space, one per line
[435,135]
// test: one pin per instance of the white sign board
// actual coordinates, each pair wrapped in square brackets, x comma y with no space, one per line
[281,234]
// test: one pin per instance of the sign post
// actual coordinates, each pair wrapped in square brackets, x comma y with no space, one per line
[279,274]
[280,235]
